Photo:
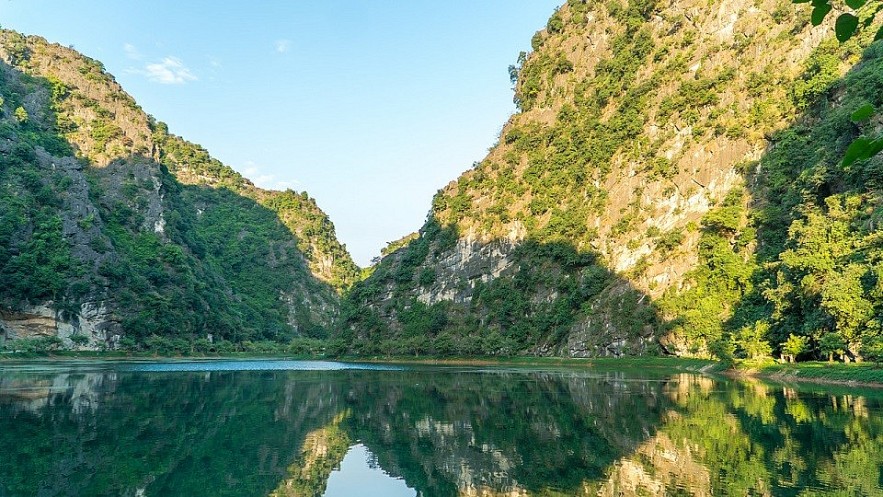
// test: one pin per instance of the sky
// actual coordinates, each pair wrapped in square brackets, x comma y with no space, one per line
[371,106]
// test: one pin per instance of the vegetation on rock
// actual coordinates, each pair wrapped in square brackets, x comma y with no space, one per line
[691,163]
[103,211]
[690,178]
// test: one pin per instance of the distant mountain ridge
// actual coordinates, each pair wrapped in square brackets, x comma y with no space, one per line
[114,231]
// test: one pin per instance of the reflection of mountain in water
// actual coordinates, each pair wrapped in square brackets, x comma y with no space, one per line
[156,435]
[445,433]
[322,451]
[508,433]
[753,439]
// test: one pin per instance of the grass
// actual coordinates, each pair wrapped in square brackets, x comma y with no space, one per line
[820,372]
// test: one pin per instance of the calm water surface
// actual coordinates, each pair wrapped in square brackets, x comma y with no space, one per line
[324,429]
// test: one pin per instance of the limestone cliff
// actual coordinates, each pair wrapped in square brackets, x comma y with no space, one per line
[114,231]
[637,119]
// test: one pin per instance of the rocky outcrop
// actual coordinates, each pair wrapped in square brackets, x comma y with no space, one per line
[458,270]
[36,322]
[93,327]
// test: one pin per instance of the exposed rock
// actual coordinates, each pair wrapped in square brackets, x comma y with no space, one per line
[94,323]
[629,132]
[129,194]
[468,262]
[34,322]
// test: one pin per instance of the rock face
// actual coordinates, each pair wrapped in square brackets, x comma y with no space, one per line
[35,322]
[116,231]
[93,327]
[637,119]
[471,261]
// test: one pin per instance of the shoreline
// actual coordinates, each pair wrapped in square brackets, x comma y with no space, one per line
[674,363]
[864,375]
[794,376]
[679,363]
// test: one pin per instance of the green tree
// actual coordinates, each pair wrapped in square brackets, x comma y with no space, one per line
[21,115]
[844,299]
[872,349]
[822,278]
[753,340]
[831,344]
[794,346]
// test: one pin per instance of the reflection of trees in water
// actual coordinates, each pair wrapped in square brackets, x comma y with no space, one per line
[167,434]
[755,439]
[505,432]
[445,433]
[323,450]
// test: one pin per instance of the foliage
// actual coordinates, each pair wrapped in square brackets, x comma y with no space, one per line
[872,349]
[35,346]
[753,340]
[35,258]
[847,24]
[831,344]
[170,262]
[21,115]
[794,346]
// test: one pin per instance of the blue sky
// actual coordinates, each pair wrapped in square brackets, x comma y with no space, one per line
[371,106]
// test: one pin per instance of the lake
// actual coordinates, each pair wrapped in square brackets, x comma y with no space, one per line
[325,429]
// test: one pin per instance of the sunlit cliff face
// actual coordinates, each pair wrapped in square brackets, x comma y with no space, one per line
[323,450]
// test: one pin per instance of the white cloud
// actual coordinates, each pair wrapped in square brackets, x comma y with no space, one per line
[131,51]
[171,71]
[283,46]
[265,180]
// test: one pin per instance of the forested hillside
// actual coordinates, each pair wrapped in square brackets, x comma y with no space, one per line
[114,232]
[672,183]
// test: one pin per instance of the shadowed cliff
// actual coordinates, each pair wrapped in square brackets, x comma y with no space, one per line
[115,233]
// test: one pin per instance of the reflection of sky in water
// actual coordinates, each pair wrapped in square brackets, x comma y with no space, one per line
[253,365]
[356,477]
[192,365]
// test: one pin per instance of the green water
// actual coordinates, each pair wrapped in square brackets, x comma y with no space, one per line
[285,428]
